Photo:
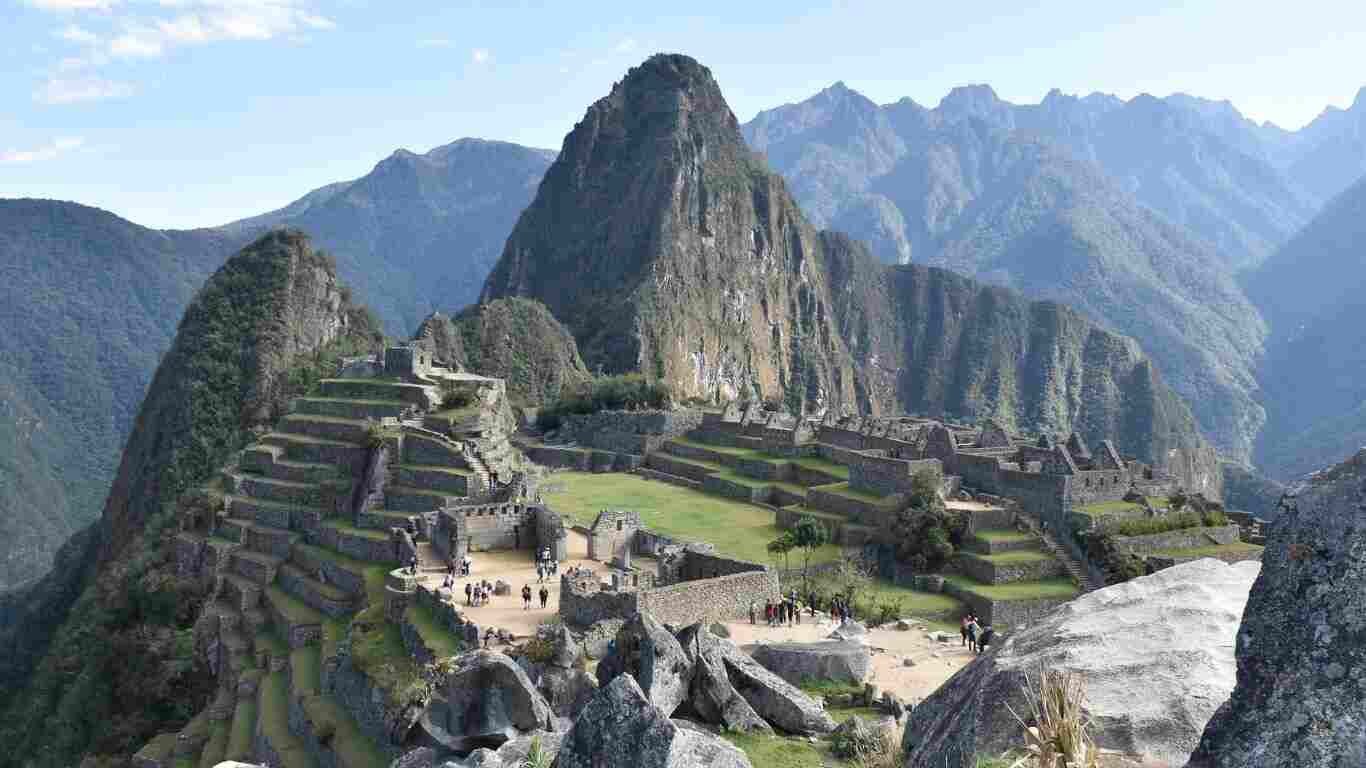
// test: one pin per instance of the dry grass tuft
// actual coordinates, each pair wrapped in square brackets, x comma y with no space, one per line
[1055,734]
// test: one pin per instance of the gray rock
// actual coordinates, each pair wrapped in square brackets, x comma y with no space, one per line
[515,752]
[422,757]
[852,738]
[485,701]
[902,625]
[566,690]
[781,704]
[648,652]
[620,727]
[711,695]
[1300,698]
[566,648]
[1168,635]
[483,758]
[849,630]
[842,660]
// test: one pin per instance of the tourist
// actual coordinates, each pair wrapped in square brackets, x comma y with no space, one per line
[973,629]
[540,573]
[488,637]
[796,611]
[751,612]
[768,612]
[469,594]
[526,597]
[988,634]
[963,629]
[782,613]
[545,597]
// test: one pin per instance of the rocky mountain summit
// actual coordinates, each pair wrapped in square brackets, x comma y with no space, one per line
[1169,635]
[1302,644]
[96,661]
[695,266]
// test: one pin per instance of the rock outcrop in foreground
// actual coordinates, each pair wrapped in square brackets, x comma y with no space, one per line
[1300,700]
[1156,654]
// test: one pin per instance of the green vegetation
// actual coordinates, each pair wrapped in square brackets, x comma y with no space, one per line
[377,650]
[1023,590]
[1107,508]
[335,726]
[517,340]
[829,688]
[1001,536]
[243,728]
[1015,556]
[305,665]
[925,533]
[843,489]
[216,748]
[673,511]
[779,752]
[439,640]
[1171,522]
[274,715]
[631,391]
[294,610]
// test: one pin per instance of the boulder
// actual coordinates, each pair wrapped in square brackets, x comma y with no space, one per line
[842,660]
[515,752]
[1301,654]
[422,757]
[566,648]
[566,690]
[1168,635]
[621,727]
[484,701]
[649,653]
[711,696]
[781,704]
[849,630]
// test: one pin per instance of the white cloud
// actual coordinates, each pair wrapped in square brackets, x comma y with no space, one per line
[59,90]
[137,43]
[47,152]
[75,34]
[625,46]
[67,6]
[434,42]
[480,56]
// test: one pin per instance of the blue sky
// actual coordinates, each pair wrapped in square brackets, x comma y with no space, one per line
[182,113]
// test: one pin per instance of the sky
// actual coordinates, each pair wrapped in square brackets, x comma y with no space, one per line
[188,113]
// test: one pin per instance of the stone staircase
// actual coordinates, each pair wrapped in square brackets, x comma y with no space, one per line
[1075,570]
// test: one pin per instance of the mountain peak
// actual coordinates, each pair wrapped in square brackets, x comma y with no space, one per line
[979,94]
[1359,103]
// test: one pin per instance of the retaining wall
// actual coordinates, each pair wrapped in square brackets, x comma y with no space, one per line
[1186,538]
[725,598]
[1013,614]
[987,572]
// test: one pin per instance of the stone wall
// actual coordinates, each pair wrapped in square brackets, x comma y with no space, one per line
[988,572]
[1186,538]
[885,476]
[726,598]
[733,490]
[1095,486]
[634,432]
[557,457]
[365,701]
[857,510]
[698,565]
[584,603]
[675,465]
[612,531]
[1001,614]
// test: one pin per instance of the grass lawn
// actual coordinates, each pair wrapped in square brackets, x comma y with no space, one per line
[441,641]
[737,529]
[744,453]
[779,752]
[354,748]
[1002,535]
[274,708]
[1104,508]
[1213,550]
[243,728]
[1014,556]
[1023,590]
[294,609]
[822,465]
[843,489]
[305,667]
[351,530]
[931,606]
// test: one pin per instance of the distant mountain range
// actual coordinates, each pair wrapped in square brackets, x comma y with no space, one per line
[963,187]
[1137,213]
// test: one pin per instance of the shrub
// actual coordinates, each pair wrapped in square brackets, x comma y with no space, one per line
[454,397]
[1214,518]
[539,650]
[1119,565]
[853,738]
[1171,522]
[927,534]
[884,752]
[606,393]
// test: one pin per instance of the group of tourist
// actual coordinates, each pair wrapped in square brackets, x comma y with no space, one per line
[526,596]
[975,636]
[477,593]
[546,567]
[777,613]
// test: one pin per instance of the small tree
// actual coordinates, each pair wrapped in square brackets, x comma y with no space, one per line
[782,546]
[809,535]
[853,576]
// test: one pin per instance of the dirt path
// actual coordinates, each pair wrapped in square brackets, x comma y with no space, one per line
[889,646]
[516,567]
